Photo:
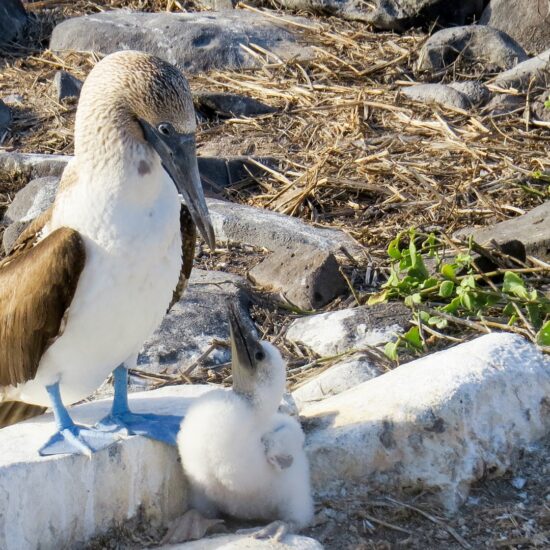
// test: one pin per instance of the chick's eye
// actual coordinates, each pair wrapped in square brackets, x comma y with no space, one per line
[165,129]
[259,356]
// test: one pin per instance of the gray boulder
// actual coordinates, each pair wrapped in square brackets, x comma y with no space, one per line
[210,104]
[471,44]
[505,104]
[66,85]
[402,14]
[13,19]
[350,329]
[32,200]
[477,93]
[438,94]
[396,15]
[5,117]
[527,21]
[195,42]
[307,277]
[533,72]
[28,203]
[194,323]
[33,165]
[532,229]
[539,108]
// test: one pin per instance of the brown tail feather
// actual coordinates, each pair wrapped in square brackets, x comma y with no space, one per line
[12,412]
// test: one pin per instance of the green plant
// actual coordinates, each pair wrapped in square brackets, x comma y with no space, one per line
[454,293]
[547,103]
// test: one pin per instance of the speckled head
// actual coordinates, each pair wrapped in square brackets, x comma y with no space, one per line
[136,105]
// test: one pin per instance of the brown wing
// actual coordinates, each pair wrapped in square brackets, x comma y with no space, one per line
[37,284]
[188,241]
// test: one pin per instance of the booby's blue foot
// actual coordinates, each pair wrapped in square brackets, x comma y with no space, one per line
[70,437]
[78,440]
[121,420]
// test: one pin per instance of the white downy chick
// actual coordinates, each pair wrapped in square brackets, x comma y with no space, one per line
[241,456]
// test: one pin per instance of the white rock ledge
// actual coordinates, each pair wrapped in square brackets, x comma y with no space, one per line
[60,501]
[440,422]
[242,542]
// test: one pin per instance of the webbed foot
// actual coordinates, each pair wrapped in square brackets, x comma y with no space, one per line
[77,439]
[154,426]
[276,530]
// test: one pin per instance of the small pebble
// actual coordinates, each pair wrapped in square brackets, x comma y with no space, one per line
[518,482]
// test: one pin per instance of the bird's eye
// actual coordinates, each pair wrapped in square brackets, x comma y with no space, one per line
[259,356]
[165,129]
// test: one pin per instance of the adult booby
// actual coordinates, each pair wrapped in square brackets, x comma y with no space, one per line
[90,279]
[241,456]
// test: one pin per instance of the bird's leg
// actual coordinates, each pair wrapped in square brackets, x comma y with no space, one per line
[121,419]
[276,530]
[72,438]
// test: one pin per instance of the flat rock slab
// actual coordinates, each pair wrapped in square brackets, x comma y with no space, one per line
[190,327]
[220,104]
[493,49]
[438,423]
[532,72]
[532,229]
[194,42]
[277,232]
[74,498]
[527,21]
[350,329]
[242,542]
[13,19]
[66,85]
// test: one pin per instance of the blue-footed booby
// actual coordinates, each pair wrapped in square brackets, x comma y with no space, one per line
[90,279]
[241,456]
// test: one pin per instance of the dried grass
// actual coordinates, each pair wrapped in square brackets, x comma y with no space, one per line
[358,154]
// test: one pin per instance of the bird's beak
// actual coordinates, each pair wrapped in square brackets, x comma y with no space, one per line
[179,158]
[246,348]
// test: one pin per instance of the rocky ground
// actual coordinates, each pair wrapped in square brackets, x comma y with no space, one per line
[335,129]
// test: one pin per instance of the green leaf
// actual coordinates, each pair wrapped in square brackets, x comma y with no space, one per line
[424,316]
[448,271]
[412,337]
[412,252]
[393,248]
[390,350]
[468,282]
[514,284]
[467,301]
[543,335]
[535,315]
[378,298]
[438,322]
[446,289]
[413,299]
[453,306]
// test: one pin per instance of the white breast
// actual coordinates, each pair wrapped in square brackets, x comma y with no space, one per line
[133,260]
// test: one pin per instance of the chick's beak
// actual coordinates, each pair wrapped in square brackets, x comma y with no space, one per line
[178,156]
[246,349]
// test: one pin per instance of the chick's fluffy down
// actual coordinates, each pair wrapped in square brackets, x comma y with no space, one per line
[232,457]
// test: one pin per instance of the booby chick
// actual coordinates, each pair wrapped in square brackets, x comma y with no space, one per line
[90,279]
[241,456]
